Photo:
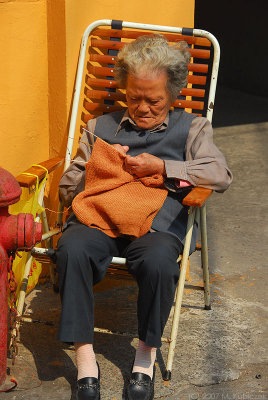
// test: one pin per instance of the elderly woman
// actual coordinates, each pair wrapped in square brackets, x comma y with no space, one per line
[155,140]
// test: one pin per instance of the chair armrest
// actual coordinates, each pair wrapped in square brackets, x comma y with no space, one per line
[50,165]
[197,197]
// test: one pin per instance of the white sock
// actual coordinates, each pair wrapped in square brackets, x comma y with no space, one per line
[144,359]
[85,361]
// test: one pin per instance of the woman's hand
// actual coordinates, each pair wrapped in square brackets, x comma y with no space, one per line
[120,148]
[144,164]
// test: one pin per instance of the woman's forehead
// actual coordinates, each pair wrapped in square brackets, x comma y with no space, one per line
[148,82]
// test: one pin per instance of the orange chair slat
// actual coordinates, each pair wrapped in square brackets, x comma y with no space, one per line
[101,94]
[101,83]
[102,71]
[197,80]
[198,68]
[101,107]
[196,105]
[112,45]
[102,58]
[171,37]
[192,92]
[106,71]
[107,44]
[104,83]
[86,117]
[200,53]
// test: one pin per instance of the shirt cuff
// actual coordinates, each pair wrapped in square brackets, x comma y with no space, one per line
[176,169]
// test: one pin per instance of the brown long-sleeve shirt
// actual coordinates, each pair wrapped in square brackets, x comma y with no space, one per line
[204,166]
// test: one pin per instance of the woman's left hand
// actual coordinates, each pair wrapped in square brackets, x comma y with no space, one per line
[144,164]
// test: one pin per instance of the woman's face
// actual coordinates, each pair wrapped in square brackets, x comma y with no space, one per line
[148,99]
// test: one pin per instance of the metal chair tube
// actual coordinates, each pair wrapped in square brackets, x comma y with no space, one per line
[179,294]
[204,256]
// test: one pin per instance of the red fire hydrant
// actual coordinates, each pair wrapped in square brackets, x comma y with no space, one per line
[16,232]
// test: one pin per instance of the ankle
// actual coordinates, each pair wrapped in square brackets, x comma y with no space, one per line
[144,359]
[85,361]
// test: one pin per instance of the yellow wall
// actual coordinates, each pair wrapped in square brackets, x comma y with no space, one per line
[23,84]
[39,42]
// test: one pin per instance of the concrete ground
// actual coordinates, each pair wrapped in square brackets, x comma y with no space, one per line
[222,354]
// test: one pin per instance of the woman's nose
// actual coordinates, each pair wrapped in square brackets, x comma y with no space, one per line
[143,107]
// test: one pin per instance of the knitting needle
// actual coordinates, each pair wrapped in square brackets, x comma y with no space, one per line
[91,145]
[91,133]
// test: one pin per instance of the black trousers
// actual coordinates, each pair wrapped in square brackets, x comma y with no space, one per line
[83,257]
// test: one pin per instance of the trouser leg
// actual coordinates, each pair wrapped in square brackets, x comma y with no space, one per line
[152,260]
[83,256]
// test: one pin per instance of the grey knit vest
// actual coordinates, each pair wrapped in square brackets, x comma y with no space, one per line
[168,144]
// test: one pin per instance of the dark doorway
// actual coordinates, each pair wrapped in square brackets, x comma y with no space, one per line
[239,26]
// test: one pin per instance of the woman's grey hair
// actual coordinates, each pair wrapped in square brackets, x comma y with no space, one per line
[150,55]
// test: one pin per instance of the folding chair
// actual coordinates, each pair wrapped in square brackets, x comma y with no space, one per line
[100,44]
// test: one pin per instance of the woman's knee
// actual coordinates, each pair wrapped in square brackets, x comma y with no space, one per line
[80,238]
[159,264]
[83,252]
[154,255]
[73,238]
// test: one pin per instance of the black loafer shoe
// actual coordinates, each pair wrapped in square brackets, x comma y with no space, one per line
[140,387]
[88,388]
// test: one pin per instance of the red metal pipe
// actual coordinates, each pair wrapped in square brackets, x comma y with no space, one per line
[3,313]
[16,232]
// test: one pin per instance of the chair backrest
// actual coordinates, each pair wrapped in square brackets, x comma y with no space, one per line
[100,44]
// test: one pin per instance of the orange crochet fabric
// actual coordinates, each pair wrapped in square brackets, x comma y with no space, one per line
[115,201]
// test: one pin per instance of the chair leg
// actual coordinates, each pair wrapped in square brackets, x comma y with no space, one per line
[49,244]
[179,294]
[204,256]
[197,215]
[27,268]
[187,277]
[22,294]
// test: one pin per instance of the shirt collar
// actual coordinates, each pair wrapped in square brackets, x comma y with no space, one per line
[128,120]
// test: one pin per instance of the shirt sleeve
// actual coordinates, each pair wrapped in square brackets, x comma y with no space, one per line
[205,165]
[73,179]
